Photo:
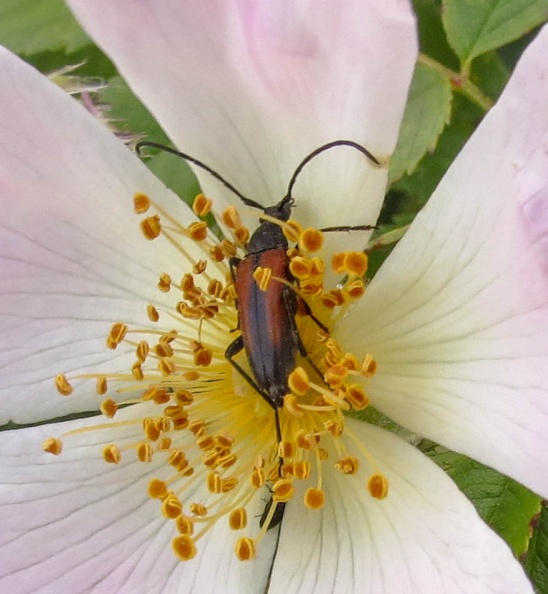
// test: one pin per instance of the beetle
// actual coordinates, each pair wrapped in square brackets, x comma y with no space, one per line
[267,319]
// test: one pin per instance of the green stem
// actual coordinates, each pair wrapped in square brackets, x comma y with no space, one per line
[459,81]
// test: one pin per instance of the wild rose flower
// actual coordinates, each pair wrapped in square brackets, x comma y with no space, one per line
[455,319]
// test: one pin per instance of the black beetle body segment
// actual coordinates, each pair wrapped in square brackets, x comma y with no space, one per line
[269,333]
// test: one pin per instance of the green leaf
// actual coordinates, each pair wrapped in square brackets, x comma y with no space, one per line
[31,26]
[427,112]
[432,39]
[536,561]
[504,504]
[412,192]
[477,26]
[490,74]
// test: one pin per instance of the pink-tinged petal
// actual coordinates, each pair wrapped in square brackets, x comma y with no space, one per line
[458,315]
[72,258]
[425,536]
[252,87]
[75,523]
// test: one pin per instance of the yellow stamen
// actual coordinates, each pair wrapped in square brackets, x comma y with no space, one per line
[63,386]
[52,446]
[201,205]
[141,203]
[184,547]
[311,240]
[245,549]
[314,498]
[378,486]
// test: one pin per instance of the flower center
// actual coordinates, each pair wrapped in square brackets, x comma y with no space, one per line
[222,443]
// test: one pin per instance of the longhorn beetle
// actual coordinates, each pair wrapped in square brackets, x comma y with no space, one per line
[268,330]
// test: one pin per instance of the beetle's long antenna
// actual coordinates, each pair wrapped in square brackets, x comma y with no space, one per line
[190,159]
[321,149]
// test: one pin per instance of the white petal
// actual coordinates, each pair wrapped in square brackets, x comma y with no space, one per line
[458,315]
[425,537]
[252,87]
[72,258]
[74,523]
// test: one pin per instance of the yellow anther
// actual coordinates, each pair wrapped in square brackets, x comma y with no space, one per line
[118,332]
[334,427]
[52,445]
[184,547]
[163,349]
[308,287]
[350,361]
[245,549]
[286,449]
[355,263]
[200,267]
[335,375]
[311,240]
[63,386]
[137,371]
[291,406]
[228,247]
[176,458]
[257,478]
[151,227]
[317,267]
[306,440]
[203,356]
[152,313]
[111,454]
[282,490]
[206,442]
[231,218]
[348,465]
[300,267]
[301,470]
[201,205]
[262,277]
[292,230]
[298,381]
[172,410]
[197,230]
[237,519]
[216,253]
[101,386]
[337,262]
[314,498]
[185,525]
[227,460]
[141,203]
[198,509]
[215,482]
[142,350]
[355,289]
[356,397]
[171,507]
[215,288]
[229,484]
[109,408]
[224,441]
[378,486]
[242,235]
[164,282]
[163,444]
[184,397]
[157,489]
[144,452]
[324,455]
[369,366]
[167,366]
[150,429]
[197,427]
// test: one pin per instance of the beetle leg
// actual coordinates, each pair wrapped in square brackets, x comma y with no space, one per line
[309,313]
